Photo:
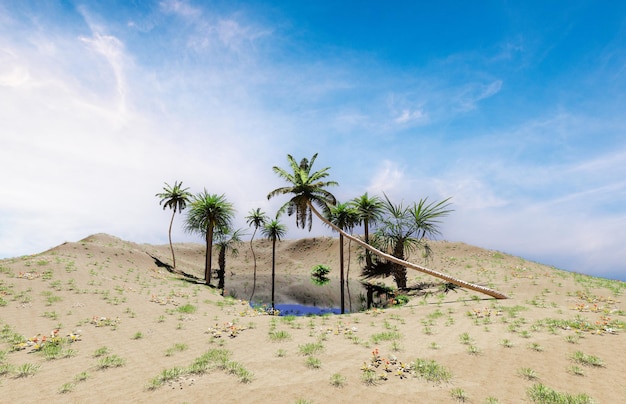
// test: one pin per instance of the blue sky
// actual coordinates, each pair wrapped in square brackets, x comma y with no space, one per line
[513,109]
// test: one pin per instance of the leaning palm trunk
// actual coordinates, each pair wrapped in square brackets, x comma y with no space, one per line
[254,258]
[391,258]
[170,237]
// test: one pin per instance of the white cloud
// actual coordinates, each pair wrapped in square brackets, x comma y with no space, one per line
[412,116]
[472,93]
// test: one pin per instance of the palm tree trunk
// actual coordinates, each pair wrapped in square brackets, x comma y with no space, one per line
[341,279]
[391,258]
[254,259]
[171,245]
[368,257]
[273,269]
[209,254]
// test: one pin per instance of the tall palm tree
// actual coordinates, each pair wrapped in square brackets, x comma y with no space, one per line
[274,231]
[174,197]
[308,190]
[226,241]
[342,215]
[370,211]
[257,218]
[208,212]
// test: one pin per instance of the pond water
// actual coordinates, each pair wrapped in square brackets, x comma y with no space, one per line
[303,310]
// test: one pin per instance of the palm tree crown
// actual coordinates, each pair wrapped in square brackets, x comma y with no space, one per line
[307,188]
[370,210]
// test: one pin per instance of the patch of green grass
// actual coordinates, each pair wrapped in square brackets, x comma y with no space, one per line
[111,361]
[138,335]
[6,368]
[27,369]
[337,380]
[528,374]
[587,360]
[431,371]
[101,352]
[67,388]
[311,348]
[576,370]
[279,335]
[459,394]
[434,345]
[473,350]
[538,393]
[179,347]
[312,362]
[465,339]
[187,309]
[385,336]
[81,377]
[369,378]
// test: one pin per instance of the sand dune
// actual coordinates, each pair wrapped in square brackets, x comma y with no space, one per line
[131,331]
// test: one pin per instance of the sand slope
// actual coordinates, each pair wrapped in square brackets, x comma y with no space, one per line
[128,309]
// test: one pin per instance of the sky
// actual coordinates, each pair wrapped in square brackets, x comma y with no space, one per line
[515,110]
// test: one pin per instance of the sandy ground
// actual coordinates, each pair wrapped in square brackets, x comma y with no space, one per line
[136,325]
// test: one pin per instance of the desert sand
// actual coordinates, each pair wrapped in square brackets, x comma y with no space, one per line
[124,329]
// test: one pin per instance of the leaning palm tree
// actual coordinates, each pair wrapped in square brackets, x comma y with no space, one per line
[209,212]
[308,190]
[226,241]
[274,231]
[174,197]
[256,218]
[342,216]
[370,210]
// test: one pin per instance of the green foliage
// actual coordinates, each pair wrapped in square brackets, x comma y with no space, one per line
[312,362]
[101,352]
[431,371]
[25,370]
[320,270]
[110,361]
[187,309]
[538,393]
[527,373]
[587,360]
[337,380]
[279,335]
[311,348]
[385,336]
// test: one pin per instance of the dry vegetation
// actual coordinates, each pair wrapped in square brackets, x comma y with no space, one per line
[118,327]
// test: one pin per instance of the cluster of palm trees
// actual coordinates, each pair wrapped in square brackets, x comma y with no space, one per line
[399,229]
[211,216]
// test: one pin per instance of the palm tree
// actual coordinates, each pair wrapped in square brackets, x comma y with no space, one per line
[274,230]
[308,190]
[370,211]
[209,212]
[257,218]
[342,216]
[174,197]
[226,240]
[404,229]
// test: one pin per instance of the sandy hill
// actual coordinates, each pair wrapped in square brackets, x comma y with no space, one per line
[119,327]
